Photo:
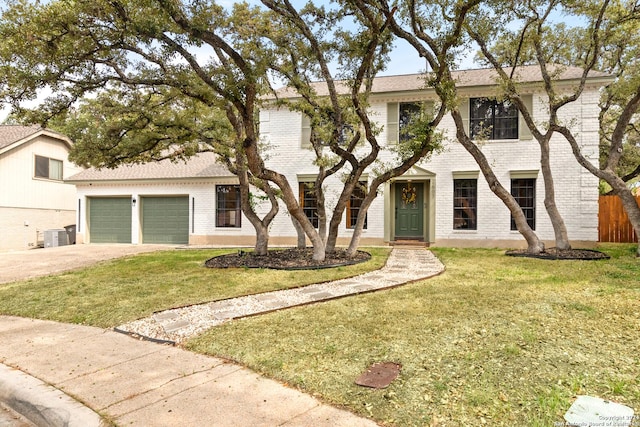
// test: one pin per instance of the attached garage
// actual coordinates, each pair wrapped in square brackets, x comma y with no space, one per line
[110,219]
[165,220]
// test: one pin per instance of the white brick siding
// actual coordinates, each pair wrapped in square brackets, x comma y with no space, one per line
[576,189]
[281,131]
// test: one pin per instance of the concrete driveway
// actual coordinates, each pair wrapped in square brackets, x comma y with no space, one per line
[21,265]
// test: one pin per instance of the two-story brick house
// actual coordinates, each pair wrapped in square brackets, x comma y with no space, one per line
[443,200]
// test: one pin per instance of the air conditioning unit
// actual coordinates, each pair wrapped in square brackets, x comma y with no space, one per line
[57,237]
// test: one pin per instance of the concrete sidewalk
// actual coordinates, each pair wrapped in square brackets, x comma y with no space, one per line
[139,383]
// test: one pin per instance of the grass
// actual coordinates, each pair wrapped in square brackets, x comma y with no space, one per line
[118,291]
[494,340]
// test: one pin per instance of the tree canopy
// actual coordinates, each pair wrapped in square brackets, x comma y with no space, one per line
[142,81]
[138,81]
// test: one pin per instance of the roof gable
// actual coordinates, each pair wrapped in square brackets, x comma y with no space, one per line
[12,136]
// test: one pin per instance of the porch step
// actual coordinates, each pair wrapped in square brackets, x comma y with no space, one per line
[409,242]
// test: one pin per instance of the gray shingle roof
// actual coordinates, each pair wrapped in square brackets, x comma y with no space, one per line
[464,78]
[202,165]
[12,134]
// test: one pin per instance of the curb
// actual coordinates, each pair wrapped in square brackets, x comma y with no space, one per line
[43,404]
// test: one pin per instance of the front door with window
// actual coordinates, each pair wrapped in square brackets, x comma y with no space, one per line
[409,210]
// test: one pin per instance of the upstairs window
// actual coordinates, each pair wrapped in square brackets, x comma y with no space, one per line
[490,119]
[400,115]
[228,213]
[48,168]
[355,202]
[409,111]
[324,133]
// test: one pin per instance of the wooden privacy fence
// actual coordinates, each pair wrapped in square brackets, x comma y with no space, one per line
[613,223]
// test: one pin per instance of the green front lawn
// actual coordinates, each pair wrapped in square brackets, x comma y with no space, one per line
[122,290]
[495,341]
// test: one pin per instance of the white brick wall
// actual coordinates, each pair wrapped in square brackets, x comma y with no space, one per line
[576,189]
[202,197]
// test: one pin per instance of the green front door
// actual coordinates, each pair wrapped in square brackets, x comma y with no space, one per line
[110,220]
[409,210]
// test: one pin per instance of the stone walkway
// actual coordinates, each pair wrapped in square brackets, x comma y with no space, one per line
[404,265]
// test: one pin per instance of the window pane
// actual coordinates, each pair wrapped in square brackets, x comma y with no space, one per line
[355,201]
[228,212]
[409,112]
[506,121]
[481,118]
[309,202]
[524,191]
[55,169]
[465,194]
[42,167]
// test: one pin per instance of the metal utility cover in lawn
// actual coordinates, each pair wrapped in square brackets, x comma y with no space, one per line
[379,375]
[593,411]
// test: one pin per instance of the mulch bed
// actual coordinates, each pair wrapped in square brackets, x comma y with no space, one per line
[286,259]
[570,254]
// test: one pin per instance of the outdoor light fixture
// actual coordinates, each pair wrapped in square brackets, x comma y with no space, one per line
[134,202]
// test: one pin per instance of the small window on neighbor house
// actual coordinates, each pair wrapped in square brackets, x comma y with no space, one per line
[309,202]
[524,191]
[465,204]
[228,212]
[490,119]
[48,168]
[355,201]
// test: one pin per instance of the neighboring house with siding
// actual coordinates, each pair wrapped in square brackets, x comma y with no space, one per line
[33,196]
[444,200]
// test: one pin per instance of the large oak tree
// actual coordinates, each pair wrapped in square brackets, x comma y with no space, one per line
[606,38]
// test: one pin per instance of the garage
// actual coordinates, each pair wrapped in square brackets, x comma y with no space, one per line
[110,219]
[165,220]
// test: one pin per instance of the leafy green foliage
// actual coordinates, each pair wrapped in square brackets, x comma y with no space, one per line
[117,127]
[150,86]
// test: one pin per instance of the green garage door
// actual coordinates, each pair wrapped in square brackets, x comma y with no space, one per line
[165,220]
[110,220]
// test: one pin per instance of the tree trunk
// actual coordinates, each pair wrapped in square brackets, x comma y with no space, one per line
[608,174]
[321,209]
[262,230]
[256,165]
[261,226]
[336,217]
[559,227]
[262,241]
[362,214]
[534,244]
[302,238]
